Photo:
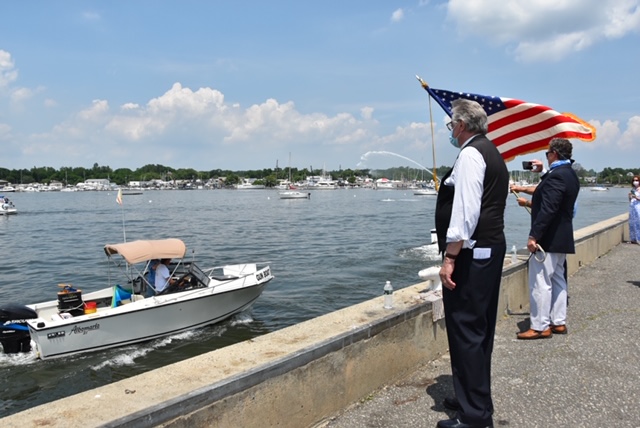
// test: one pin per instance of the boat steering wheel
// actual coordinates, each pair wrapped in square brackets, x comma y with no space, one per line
[183,280]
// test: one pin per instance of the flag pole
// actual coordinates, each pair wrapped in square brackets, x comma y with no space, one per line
[517,195]
[119,201]
[433,145]
[124,231]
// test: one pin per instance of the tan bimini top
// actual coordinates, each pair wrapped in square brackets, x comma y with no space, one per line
[142,251]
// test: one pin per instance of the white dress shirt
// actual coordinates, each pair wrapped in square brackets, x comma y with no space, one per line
[468,178]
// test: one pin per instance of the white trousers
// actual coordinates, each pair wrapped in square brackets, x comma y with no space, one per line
[547,291]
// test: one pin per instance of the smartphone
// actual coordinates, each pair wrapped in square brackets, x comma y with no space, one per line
[527,165]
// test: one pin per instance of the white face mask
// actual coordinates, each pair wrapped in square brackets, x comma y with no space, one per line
[636,183]
[454,140]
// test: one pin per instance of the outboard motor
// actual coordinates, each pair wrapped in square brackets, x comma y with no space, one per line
[14,332]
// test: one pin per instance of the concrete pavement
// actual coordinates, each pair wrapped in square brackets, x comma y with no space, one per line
[587,378]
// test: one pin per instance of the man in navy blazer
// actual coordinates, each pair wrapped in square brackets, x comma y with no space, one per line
[551,239]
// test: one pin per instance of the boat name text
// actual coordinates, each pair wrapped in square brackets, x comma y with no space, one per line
[84,330]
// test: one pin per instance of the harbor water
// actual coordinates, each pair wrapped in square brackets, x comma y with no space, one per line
[336,249]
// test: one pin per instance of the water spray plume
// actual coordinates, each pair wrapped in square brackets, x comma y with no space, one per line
[365,157]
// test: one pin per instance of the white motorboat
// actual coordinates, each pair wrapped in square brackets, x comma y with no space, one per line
[247,184]
[427,191]
[294,194]
[599,189]
[325,184]
[7,207]
[117,316]
[385,184]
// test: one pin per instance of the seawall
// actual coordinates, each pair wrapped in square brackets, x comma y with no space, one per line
[297,376]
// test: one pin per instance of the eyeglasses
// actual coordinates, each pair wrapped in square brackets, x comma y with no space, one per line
[549,152]
[451,125]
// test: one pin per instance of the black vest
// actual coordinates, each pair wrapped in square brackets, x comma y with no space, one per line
[490,228]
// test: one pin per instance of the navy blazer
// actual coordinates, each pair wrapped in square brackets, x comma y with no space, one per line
[552,209]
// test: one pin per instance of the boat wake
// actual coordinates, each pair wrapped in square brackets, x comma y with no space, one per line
[243,318]
[131,353]
[123,359]
[428,253]
[19,359]
[398,200]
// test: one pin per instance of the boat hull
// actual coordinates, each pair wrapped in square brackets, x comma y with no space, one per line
[142,319]
[425,192]
[294,195]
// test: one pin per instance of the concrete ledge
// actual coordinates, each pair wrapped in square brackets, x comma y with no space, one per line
[299,375]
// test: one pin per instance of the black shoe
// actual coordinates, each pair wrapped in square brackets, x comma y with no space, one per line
[451,403]
[455,423]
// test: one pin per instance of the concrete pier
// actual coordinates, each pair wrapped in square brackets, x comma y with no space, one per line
[308,374]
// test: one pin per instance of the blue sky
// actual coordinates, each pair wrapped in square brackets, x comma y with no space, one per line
[245,84]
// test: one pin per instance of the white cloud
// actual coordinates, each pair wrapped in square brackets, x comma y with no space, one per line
[91,16]
[219,134]
[630,137]
[21,94]
[397,15]
[8,73]
[203,120]
[607,134]
[366,112]
[5,131]
[179,99]
[543,30]
[612,139]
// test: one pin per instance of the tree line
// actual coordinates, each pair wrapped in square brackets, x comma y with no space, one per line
[122,176]
[268,176]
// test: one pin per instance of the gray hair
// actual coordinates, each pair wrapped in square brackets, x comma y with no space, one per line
[471,113]
[562,147]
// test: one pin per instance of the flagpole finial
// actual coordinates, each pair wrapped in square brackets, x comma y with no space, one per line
[422,82]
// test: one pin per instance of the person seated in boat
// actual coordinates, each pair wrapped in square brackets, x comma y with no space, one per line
[150,279]
[163,278]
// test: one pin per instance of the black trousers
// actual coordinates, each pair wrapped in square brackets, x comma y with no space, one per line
[470,316]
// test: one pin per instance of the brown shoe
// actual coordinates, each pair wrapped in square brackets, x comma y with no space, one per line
[559,329]
[534,334]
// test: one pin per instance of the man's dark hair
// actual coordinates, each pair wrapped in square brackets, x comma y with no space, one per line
[562,147]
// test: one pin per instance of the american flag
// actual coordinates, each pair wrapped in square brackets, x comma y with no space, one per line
[119,197]
[517,127]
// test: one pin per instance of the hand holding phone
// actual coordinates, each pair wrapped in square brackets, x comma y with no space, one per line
[527,165]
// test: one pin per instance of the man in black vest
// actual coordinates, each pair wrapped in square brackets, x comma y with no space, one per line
[470,227]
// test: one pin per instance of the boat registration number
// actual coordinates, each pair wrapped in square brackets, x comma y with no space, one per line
[262,274]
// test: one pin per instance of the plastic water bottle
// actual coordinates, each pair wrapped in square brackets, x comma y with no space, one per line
[388,295]
[514,254]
